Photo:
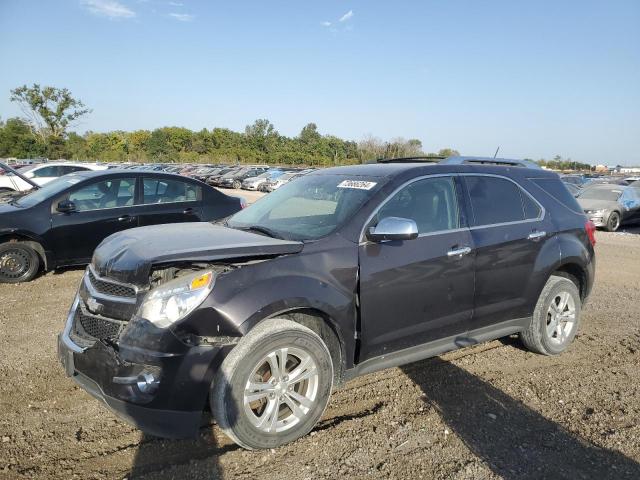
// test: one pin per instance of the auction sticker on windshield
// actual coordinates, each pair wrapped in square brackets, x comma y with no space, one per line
[359,184]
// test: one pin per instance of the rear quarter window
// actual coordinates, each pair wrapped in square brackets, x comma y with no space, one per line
[557,190]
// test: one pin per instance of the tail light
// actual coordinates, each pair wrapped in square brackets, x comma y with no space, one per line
[590,228]
[243,202]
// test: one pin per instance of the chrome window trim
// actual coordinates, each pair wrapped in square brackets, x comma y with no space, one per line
[541,216]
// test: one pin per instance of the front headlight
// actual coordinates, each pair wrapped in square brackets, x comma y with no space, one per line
[597,212]
[174,300]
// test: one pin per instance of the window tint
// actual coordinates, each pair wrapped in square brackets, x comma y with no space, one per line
[112,193]
[496,200]
[431,203]
[64,169]
[160,190]
[50,171]
[557,190]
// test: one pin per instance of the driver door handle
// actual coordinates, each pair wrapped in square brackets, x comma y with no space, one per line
[126,218]
[188,211]
[459,252]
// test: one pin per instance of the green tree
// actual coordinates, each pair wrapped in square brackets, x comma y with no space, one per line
[49,110]
[17,140]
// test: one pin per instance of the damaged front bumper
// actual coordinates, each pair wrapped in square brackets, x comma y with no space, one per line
[162,391]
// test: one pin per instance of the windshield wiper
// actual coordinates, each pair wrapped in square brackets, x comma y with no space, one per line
[265,230]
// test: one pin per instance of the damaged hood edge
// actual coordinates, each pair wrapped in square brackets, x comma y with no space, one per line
[128,256]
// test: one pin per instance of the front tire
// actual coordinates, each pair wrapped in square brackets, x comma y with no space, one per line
[555,319]
[613,222]
[273,386]
[18,262]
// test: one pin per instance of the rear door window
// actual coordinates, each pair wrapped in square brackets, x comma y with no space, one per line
[497,200]
[162,190]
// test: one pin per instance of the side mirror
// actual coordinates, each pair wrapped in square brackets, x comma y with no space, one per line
[66,206]
[393,228]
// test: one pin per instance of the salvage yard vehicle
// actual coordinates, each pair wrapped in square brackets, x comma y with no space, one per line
[610,205]
[234,178]
[61,223]
[343,272]
[43,173]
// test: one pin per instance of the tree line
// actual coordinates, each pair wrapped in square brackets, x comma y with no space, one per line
[50,113]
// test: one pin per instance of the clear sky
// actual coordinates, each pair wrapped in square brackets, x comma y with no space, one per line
[536,77]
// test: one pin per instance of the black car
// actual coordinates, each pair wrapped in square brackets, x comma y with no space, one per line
[343,272]
[62,222]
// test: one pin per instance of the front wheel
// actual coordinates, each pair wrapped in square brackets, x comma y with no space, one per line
[273,386]
[18,262]
[613,223]
[555,319]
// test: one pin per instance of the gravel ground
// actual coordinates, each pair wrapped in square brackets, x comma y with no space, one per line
[490,411]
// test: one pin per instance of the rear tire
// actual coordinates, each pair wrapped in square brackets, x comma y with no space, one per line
[613,222]
[273,386]
[237,185]
[555,319]
[18,262]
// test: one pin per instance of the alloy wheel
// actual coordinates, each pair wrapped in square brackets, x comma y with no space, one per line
[281,390]
[561,317]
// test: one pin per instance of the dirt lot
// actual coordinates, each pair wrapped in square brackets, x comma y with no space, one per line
[491,411]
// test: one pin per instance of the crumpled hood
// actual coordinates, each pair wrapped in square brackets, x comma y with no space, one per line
[590,204]
[128,256]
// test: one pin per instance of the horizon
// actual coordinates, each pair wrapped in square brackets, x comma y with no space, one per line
[536,80]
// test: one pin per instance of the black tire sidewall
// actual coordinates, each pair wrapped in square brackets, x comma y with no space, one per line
[34,262]
[613,215]
[237,185]
[248,435]
[561,285]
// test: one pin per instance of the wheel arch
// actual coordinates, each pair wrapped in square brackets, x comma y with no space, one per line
[324,326]
[576,273]
[30,240]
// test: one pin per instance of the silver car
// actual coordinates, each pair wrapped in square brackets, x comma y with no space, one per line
[609,206]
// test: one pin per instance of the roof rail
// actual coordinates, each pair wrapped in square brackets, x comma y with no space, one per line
[503,162]
[424,158]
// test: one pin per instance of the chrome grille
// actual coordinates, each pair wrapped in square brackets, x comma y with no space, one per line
[110,288]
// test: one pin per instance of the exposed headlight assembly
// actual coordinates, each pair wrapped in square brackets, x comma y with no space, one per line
[168,303]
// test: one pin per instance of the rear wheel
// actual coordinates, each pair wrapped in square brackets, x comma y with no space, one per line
[613,223]
[237,185]
[556,318]
[273,386]
[18,262]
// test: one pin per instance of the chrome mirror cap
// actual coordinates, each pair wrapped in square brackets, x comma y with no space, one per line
[393,228]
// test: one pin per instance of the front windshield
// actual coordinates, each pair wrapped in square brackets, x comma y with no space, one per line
[48,190]
[308,208]
[610,194]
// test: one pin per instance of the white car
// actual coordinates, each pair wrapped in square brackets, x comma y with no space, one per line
[43,173]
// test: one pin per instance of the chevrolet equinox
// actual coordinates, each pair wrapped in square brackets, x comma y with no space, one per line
[340,273]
